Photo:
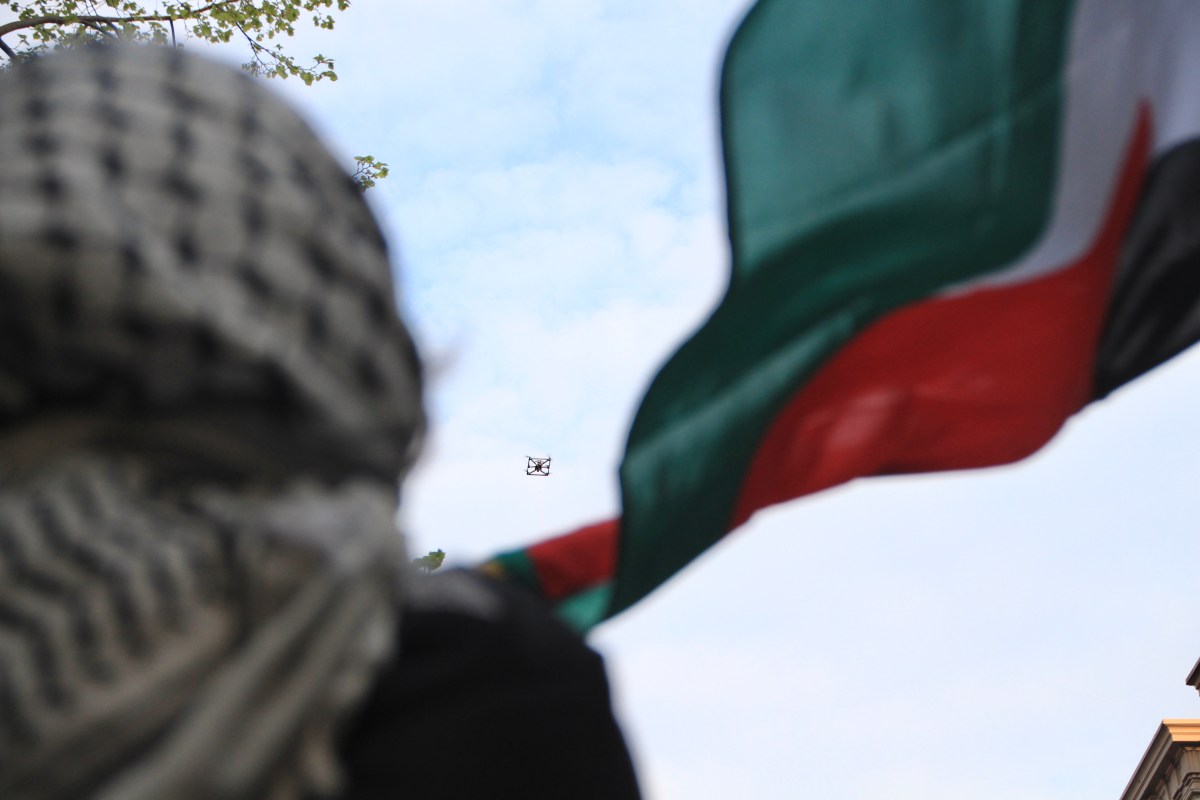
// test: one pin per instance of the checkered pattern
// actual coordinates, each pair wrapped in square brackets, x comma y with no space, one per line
[206,397]
[172,236]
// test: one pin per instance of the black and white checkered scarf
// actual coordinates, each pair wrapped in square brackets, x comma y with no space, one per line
[206,398]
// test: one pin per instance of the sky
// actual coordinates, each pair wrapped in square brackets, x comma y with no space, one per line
[555,205]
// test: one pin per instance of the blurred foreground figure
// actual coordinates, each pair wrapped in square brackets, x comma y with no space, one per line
[206,400]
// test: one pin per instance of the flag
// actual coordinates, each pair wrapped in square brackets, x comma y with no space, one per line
[952,226]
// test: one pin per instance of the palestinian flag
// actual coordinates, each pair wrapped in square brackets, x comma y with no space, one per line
[953,225]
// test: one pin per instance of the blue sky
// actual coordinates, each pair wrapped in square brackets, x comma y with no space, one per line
[555,205]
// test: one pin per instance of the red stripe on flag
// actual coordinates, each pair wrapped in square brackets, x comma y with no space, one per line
[976,380]
[576,561]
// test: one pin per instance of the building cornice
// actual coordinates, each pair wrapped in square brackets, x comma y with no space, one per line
[1165,762]
[1193,678]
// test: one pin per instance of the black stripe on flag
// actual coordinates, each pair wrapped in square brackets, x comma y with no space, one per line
[1154,313]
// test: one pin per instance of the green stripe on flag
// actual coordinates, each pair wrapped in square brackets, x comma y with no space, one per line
[518,567]
[876,152]
[584,609]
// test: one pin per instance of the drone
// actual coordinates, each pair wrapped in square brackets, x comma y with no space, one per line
[537,466]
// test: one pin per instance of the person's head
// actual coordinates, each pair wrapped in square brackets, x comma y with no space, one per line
[177,246]
[206,396]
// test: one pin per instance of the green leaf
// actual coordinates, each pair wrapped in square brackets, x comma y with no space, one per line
[429,563]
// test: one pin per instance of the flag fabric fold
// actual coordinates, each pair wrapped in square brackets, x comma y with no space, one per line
[950,229]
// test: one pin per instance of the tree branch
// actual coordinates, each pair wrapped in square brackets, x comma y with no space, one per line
[55,19]
[255,47]
[96,26]
[8,51]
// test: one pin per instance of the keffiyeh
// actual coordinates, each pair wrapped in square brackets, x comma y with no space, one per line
[206,398]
